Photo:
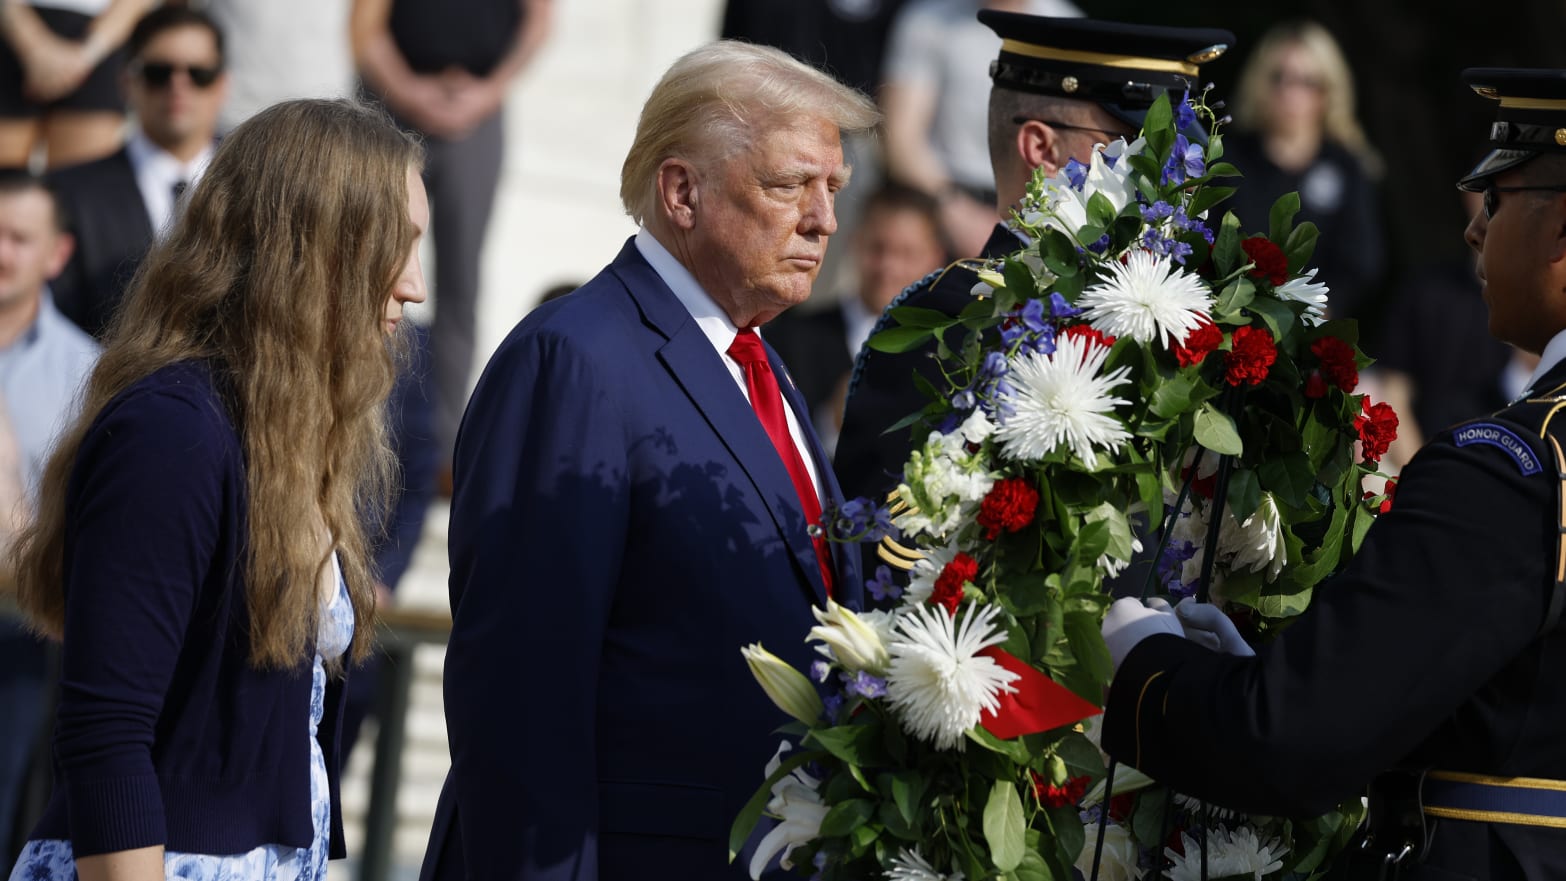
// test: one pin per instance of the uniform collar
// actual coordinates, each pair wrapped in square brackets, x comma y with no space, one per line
[1554,353]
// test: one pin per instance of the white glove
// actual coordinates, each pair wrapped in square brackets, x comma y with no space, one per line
[1128,622]
[1207,626]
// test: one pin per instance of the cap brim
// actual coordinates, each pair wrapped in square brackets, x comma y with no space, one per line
[1491,165]
[1135,118]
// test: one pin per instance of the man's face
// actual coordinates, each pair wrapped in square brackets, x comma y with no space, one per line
[1513,247]
[32,250]
[762,219]
[896,247]
[164,88]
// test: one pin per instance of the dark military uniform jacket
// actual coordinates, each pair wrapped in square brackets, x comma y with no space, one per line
[1426,652]
[868,461]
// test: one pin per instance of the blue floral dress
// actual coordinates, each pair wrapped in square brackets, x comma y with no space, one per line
[52,860]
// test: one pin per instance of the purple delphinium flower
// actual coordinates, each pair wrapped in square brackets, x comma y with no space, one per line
[881,585]
[1098,246]
[831,704]
[1185,114]
[1157,211]
[1188,224]
[862,684]
[1175,554]
[820,670]
[1186,161]
[1076,174]
[1060,308]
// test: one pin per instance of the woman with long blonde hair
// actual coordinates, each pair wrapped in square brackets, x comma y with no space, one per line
[201,541]
[1296,129]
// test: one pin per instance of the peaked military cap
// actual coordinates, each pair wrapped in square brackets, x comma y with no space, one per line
[1530,119]
[1122,67]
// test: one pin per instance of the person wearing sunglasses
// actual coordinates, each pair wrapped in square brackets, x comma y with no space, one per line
[1428,671]
[1295,130]
[175,84]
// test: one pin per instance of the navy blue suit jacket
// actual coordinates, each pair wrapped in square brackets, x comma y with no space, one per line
[621,526]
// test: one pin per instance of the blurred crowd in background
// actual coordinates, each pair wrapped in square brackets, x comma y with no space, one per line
[117,105]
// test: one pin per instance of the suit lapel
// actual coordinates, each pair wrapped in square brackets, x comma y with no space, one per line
[696,366]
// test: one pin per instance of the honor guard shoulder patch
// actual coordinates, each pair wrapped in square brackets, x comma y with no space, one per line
[1503,439]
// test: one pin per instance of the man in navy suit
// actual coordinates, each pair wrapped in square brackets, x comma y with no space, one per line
[633,482]
[175,85]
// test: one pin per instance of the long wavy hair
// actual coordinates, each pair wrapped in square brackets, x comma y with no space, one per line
[276,275]
[1340,122]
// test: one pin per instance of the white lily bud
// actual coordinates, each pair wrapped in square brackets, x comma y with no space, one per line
[853,643]
[787,687]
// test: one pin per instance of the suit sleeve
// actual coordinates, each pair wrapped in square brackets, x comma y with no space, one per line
[538,528]
[144,523]
[1447,590]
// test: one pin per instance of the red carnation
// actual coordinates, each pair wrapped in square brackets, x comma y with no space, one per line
[1052,796]
[1315,386]
[1391,491]
[1337,362]
[1009,505]
[1251,357]
[948,587]
[1270,262]
[1198,344]
[1091,334]
[1202,486]
[1377,427]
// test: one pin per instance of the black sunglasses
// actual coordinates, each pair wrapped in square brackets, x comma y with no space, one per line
[1019,120]
[1490,191]
[158,74]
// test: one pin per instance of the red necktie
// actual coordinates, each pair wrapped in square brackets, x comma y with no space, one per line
[767,400]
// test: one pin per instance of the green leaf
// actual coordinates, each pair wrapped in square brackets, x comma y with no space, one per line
[749,815]
[1033,868]
[1087,643]
[1283,605]
[1226,249]
[1214,150]
[915,316]
[1280,220]
[1003,825]
[854,744]
[1244,493]
[1100,213]
[1158,128]
[977,310]
[1147,818]
[1223,169]
[1208,197]
[1239,294]
[1069,833]
[845,816]
[1300,246]
[1363,520]
[1216,432]
[896,340]
[1277,315]
[1288,476]
[1014,750]
[1020,280]
[907,791]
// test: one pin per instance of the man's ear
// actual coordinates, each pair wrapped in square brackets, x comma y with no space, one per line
[64,244]
[678,192]
[1039,145]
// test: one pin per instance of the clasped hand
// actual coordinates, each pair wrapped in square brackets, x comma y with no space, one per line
[1129,621]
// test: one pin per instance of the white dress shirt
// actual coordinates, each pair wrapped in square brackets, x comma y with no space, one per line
[857,324]
[720,330]
[156,173]
[1553,354]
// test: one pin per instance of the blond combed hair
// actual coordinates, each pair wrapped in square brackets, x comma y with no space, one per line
[714,99]
[1341,118]
[277,275]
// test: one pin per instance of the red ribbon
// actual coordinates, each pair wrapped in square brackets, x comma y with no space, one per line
[1038,704]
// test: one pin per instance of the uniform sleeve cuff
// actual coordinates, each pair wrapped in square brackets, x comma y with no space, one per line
[1134,714]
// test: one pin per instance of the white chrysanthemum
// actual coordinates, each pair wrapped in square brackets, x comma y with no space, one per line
[938,682]
[910,865]
[1147,298]
[1201,808]
[1061,398]
[796,802]
[1231,853]
[1257,543]
[1305,289]
[1119,862]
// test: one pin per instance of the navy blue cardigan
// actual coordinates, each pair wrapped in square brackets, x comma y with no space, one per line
[166,734]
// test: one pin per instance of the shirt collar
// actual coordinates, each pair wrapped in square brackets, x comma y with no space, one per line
[157,170]
[1554,353]
[719,329]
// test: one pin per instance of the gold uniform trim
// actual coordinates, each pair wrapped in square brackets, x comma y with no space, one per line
[1104,59]
[1497,817]
[1140,698]
[1533,103]
[1508,782]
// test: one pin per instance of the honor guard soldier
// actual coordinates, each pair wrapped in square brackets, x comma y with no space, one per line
[1061,85]
[1430,669]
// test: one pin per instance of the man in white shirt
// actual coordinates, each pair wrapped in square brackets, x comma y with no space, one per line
[175,84]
